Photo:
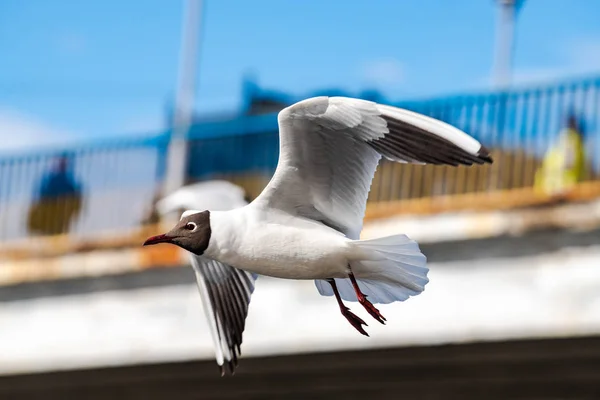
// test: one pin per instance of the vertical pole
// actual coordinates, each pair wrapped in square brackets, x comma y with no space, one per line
[505,30]
[184,102]
[503,65]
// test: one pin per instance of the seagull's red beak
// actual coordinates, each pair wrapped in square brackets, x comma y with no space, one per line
[158,239]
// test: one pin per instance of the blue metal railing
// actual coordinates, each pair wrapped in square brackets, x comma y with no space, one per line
[117,179]
[120,178]
[524,121]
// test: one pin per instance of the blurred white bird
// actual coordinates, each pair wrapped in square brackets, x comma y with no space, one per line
[307,221]
[217,195]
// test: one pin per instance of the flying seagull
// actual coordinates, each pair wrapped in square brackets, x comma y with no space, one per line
[307,221]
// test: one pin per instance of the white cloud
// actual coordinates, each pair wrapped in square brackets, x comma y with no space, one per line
[142,124]
[19,130]
[578,56]
[528,75]
[384,72]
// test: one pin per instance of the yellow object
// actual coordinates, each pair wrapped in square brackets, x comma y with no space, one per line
[563,165]
[53,216]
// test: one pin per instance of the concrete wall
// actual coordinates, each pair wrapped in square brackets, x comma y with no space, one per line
[545,284]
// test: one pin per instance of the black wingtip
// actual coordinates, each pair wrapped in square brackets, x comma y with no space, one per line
[227,369]
[231,367]
[484,154]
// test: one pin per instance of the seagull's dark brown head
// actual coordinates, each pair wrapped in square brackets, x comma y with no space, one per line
[192,233]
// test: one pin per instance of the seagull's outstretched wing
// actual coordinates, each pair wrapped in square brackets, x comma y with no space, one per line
[225,293]
[330,148]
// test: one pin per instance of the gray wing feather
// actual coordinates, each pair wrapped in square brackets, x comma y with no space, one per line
[226,292]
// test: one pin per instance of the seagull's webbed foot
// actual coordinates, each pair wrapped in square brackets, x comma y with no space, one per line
[362,299]
[375,313]
[354,319]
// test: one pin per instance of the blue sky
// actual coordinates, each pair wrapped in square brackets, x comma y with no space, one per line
[82,69]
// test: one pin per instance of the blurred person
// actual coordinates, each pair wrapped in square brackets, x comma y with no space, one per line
[564,164]
[58,201]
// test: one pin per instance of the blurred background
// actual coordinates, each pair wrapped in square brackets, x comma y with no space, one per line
[107,107]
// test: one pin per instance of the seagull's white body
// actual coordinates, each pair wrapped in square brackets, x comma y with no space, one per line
[278,244]
[307,221]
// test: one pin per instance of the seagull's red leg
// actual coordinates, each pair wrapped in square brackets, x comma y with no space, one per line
[350,316]
[362,299]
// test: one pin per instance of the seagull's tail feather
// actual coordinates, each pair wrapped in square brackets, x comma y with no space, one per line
[388,269]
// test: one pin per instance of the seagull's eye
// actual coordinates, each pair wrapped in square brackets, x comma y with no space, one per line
[191,226]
